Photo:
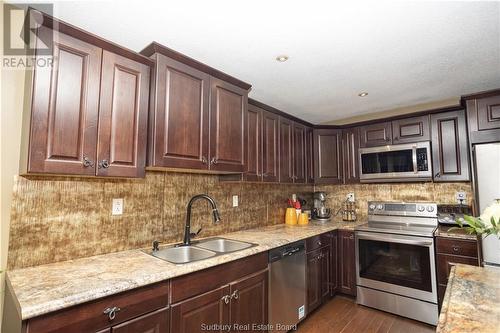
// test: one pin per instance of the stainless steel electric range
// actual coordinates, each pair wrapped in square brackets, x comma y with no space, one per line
[395,262]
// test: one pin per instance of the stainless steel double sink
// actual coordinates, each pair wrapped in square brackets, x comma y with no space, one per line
[200,250]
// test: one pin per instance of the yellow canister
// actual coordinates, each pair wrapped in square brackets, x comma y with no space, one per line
[291,216]
[303,219]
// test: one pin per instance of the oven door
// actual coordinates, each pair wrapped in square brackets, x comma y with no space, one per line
[398,264]
[396,162]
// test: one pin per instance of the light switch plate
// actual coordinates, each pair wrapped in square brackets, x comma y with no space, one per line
[461,197]
[235,201]
[117,207]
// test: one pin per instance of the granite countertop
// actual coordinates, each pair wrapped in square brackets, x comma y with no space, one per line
[443,231]
[471,302]
[47,288]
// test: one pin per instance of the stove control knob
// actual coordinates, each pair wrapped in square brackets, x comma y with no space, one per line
[380,207]
[372,207]
[430,209]
[421,208]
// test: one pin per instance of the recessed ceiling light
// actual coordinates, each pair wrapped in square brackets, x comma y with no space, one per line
[363,94]
[282,58]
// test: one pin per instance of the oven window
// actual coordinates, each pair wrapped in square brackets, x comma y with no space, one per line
[386,162]
[400,264]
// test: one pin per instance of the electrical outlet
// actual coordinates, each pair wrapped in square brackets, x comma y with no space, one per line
[117,207]
[350,197]
[461,197]
[235,201]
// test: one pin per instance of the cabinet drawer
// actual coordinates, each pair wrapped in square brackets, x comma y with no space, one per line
[89,317]
[315,242]
[444,263]
[457,247]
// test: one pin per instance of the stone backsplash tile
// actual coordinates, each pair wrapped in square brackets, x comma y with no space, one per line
[62,218]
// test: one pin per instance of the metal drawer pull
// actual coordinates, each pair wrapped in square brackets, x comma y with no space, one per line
[455,248]
[213,161]
[235,294]
[87,162]
[204,160]
[226,299]
[111,312]
[104,164]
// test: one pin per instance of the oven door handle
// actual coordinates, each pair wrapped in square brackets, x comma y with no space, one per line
[395,240]
[414,158]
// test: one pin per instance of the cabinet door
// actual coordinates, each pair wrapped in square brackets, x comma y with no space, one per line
[254,144]
[197,314]
[379,134]
[347,264]
[333,263]
[410,130]
[350,155]
[270,147]
[179,116]
[325,273]
[327,156]
[249,301]
[299,153]
[227,126]
[483,115]
[123,115]
[154,322]
[314,281]
[286,151]
[450,158]
[64,114]
[309,156]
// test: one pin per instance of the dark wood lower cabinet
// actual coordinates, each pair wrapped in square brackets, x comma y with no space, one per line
[155,322]
[452,251]
[347,263]
[318,277]
[334,263]
[249,306]
[199,313]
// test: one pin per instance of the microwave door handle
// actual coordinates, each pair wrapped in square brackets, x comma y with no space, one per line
[395,240]
[414,158]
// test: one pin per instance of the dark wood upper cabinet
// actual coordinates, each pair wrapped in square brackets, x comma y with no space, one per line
[450,158]
[123,116]
[178,130]
[299,153]
[309,155]
[347,263]
[483,113]
[249,303]
[89,110]
[270,147]
[155,322]
[328,156]
[254,154]
[227,126]
[374,135]
[191,315]
[65,107]
[410,130]
[350,157]
[286,159]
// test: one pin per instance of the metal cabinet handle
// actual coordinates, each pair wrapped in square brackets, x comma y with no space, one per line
[264,174]
[455,248]
[111,312]
[226,299]
[204,160]
[87,162]
[235,294]
[104,164]
[213,161]
[437,175]
[319,243]
[351,237]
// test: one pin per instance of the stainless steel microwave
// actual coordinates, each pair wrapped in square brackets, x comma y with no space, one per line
[393,163]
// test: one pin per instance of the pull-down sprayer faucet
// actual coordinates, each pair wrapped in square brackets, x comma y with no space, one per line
[215,212]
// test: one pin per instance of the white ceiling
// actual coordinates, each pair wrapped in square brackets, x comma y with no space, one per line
[402,53]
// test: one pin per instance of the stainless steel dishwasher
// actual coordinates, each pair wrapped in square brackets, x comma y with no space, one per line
[287,286]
